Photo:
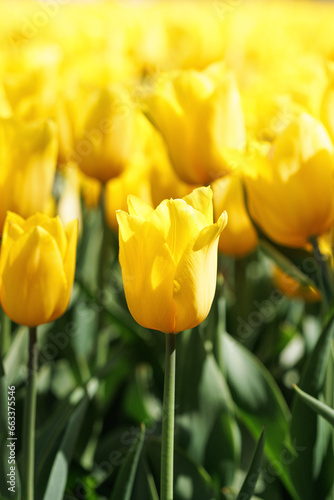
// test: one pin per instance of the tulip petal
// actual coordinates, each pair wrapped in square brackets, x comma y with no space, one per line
[71,234]
[137,206]
[195,277]
[33,276]
[201,199]
[53,226]
[12,231]
[147,271]
[178,223]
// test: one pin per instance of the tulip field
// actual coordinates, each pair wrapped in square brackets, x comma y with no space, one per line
[166,255]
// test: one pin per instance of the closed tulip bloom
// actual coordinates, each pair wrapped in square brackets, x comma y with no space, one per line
[290,191]
[28,153]
[201,119]
[107,141]
[239,237]
[168,258]
[37,265]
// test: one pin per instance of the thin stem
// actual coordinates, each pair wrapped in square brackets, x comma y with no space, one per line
[167,444]
[325,282]
[5,330]
[28,442]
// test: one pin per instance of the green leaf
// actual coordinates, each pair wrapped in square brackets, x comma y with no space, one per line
[190,480]
[285,264]
[312,470]
[248,487]
[16,355]
[58,475]
[144,486]
[4,455]
[126,477]
[259,402]
[205,422]
[50,438]
[319,407]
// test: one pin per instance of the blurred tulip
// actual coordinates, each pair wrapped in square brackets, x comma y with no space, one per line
[201,120]
[69,206]
[28,153]
[290,191]
[107,142]
[327,107]
[134,181]
[168,258]
[37,267]
[290,287]
[239,237]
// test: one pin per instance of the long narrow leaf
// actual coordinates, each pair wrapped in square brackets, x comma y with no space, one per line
[316,405]
[127,474]
[248,487]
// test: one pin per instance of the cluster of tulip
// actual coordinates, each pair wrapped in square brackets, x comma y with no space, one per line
[169,116]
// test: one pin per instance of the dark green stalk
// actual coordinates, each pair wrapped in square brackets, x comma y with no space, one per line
[28,442]
[167,443]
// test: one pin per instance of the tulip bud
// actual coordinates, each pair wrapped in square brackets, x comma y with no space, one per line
[201,119]
[107,141]
[28,153]
[290,191]
[37,265]
[168,258]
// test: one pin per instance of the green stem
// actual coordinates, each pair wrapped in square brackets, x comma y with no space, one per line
[325,281]
[100,355]
[5,330]
[28,442]
[167,444]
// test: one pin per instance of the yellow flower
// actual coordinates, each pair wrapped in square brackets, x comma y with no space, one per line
[28,153]
[201,119]
[290,192]
[168,258]
[37,265]
[293,289]
[107,141]
[239,237]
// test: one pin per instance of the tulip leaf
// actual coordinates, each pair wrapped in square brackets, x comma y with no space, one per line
[259,403]
[312,470]
[5,494]
[16,354]
[206,426]
[58,475]
[126,476]
[53,434]
[248,486]
[285,264]
[190,480]
[316,405]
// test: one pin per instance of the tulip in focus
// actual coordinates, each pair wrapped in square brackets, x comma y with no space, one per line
[199,115]
[290,191]
[37,265]
[239,237]
[28,153]
[168,258]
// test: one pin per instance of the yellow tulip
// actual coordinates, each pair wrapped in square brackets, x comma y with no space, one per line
[37,265]
[28,153]
[239,237]
[107,141]
[201,119]
[290,287]
[290,191]
[168,258]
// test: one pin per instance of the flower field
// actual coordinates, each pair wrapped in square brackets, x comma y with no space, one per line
[166,258]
